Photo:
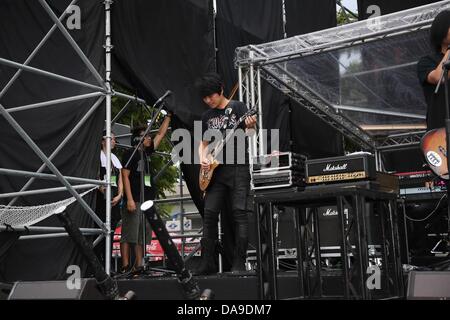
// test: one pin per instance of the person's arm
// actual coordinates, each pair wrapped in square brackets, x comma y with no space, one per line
[202,154]
[161,132]
[119,196]
[131,205]
[435,75]
[120,185]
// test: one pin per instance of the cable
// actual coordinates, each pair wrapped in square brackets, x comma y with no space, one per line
[432,212]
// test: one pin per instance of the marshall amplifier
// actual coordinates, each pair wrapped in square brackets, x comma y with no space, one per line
[359,166]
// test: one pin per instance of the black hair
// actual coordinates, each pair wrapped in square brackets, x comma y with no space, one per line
[439,29]
[136,131]
[136,134]
[209,84]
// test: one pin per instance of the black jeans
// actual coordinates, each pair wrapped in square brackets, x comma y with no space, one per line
[232,184]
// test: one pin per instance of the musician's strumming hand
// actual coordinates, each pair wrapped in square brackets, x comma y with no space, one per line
[206,164]
[250,122]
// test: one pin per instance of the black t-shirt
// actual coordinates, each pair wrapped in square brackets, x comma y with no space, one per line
[135,173]
[224,120]
[114,175]
[435,102]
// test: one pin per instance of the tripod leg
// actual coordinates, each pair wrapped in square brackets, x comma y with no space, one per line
[189,284]
[107,285]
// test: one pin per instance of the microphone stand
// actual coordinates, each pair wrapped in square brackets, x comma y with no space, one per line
[444,78]
[142,166]
[149,127]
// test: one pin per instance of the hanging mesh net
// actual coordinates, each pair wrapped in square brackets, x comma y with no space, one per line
[27,216]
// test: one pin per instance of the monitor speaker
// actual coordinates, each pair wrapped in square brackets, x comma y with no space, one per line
[428,285]
[60,290]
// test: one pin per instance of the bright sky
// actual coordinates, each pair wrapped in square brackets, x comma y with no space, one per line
[351,5]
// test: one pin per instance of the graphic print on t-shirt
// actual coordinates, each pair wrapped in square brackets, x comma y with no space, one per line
[220,121]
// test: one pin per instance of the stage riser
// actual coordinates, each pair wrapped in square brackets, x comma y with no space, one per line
[225,288]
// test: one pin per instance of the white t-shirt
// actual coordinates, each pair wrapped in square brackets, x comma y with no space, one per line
[115,161]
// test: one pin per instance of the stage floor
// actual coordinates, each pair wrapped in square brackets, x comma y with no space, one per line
[226,286]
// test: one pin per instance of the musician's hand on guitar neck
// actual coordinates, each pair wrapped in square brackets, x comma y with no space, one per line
[206,164]
[250,122]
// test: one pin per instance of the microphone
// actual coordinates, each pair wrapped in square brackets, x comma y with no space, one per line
[168,93]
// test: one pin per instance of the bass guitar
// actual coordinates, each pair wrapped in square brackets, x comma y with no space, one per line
[434,148]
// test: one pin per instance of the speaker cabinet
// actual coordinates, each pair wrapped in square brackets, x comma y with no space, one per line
[60,290]
[429,285]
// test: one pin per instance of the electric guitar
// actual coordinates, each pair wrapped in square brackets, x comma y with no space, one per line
[433,145]
[206,175]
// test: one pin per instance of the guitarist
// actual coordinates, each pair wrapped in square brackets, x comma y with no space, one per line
[231,180]
[429,70]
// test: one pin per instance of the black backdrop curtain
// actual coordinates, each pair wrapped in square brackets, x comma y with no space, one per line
[303,17]
[239,24]
[164,45]
[24,24]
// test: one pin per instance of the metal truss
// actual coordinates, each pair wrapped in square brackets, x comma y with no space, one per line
[267,59]
[342,37]
[103,91]
[397,141]
[312,101]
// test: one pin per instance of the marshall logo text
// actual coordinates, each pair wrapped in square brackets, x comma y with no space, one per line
[335,167]
[330,212]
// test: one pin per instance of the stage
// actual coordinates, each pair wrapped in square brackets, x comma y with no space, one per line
[226,286]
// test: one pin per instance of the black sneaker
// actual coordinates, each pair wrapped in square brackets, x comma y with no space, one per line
[138,270]
[125,269]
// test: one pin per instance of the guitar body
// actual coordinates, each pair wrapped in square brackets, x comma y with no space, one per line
[206,175]
[433,145]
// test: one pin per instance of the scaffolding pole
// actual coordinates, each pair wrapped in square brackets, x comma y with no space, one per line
[34,52]
[41,191]
[73,43]
[63,143]
[108,48]
[103,92]
[47,176]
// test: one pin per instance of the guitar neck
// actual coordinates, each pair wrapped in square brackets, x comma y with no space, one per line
[224,141]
